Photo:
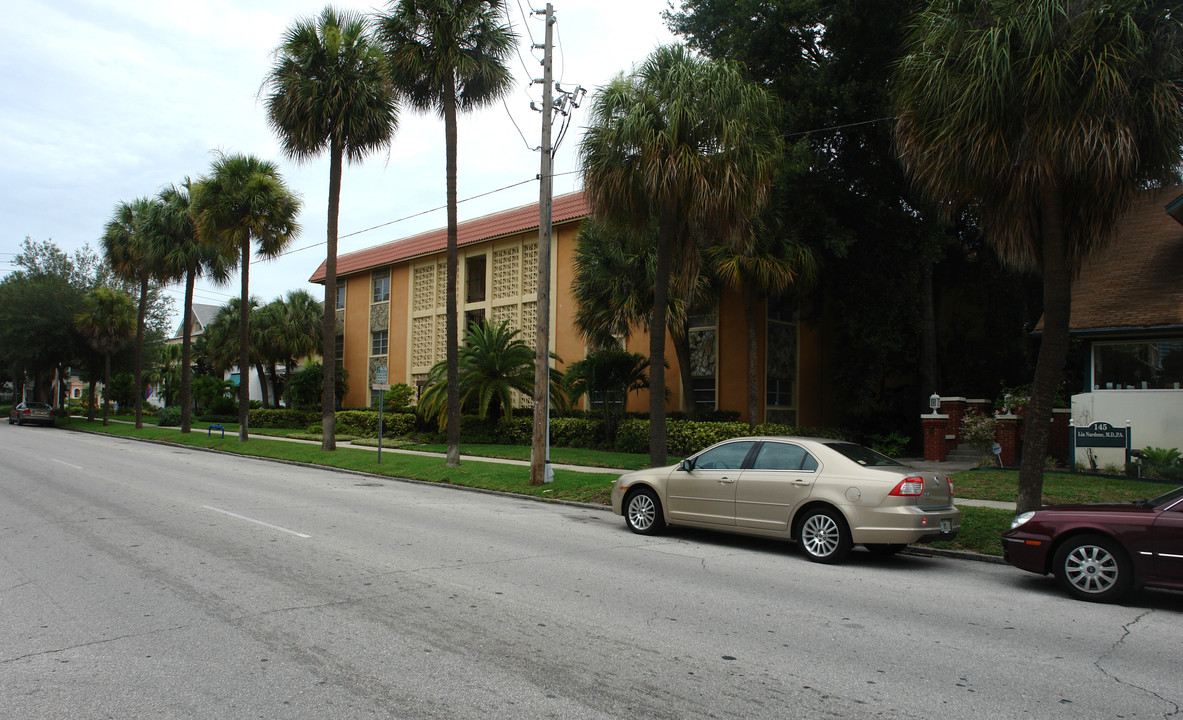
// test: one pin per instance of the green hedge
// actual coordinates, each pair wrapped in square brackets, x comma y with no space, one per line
[364,423]
[686,437]
[282,418]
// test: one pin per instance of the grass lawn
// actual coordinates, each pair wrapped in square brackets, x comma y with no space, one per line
[980,527]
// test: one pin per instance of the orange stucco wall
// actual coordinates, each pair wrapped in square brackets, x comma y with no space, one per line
[732,347]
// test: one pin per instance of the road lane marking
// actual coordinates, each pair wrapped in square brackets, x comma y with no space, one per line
[65,463]
[257,522]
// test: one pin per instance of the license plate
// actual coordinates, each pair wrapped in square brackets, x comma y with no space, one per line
[946,526]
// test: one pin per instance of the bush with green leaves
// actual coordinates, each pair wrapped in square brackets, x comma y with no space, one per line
[1165,463]
[283,418]
[686,437]
[169,417]
[364,423]
[979,432]
[577,432]
[893,444]
[398,398]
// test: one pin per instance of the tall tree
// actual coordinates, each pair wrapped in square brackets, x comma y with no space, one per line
[184,254]
[244,201]
[134,256]
[1048,117]
[613,291]
[448,56]
[108,322]
[328,91]
[222,340]
[687,144]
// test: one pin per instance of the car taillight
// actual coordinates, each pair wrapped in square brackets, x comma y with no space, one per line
[950,481]
[909,487]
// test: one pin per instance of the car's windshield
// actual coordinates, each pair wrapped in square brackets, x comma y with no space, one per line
[862,455]
[1166,498]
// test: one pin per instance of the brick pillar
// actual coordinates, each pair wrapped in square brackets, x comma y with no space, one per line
[955,407]
[1057,439]
[934,428]
[979,406]
[1008,435]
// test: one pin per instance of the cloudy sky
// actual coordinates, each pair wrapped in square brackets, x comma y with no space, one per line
[109,100]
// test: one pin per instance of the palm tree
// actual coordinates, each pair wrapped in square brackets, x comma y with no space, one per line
[686,144]
[222,340]
[296,333]
[245,201]
[613,291]
[448,56]
[494,362]
[107,321]
[328,90]
[186,255]
[133,255]
[758,265]
[611,374]
[1046,117]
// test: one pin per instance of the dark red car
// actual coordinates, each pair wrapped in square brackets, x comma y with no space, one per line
[1101,552]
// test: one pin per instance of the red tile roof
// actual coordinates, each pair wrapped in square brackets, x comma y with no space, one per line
[1137,281]
[565,208]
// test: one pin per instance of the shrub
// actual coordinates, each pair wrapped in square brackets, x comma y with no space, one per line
[169,417]
[284,418]
[892,444]
[979,431]
[398,397]
[1165,463]
[224,406]
[686,437]
[363,423]
[514,430]
[576,432]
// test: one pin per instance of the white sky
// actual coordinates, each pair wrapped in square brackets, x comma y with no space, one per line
[109,100]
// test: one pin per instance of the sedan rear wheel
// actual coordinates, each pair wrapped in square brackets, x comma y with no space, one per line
[1093,568]
[642,512]
[823,535]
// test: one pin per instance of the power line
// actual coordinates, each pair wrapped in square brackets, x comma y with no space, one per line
[840,127]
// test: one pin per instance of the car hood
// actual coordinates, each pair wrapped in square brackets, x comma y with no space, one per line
[1096,508]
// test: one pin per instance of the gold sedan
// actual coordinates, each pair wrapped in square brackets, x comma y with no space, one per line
[828,495]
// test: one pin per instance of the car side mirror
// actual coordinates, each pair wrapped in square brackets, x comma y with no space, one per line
[686,465]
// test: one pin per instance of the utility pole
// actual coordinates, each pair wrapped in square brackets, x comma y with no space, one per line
[540,470]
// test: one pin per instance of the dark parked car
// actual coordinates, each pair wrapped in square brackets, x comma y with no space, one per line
[1101,552]
[31,412]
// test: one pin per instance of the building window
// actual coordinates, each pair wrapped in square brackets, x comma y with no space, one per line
[381,282]
[474,279]
[379,342]
[780,368]
[341,295]
[473,317]
[703,360]
[339,348]
[1138,365]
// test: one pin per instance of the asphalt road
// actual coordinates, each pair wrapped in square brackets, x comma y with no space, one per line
[147,581]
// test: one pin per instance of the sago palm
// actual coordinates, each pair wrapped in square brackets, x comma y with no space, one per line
[328,91]
[448,56]
[1046,117]
[686,144]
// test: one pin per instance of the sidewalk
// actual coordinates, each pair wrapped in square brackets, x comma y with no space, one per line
[957,461]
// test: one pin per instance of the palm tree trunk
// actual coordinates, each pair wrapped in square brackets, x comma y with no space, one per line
[94,383]
[681,343]
[106,386]
[749,316]
[141,318]
[452,339]
[661,293]
[328,404]
[264,390]
[244,362]
[1053,350]
[187,355]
